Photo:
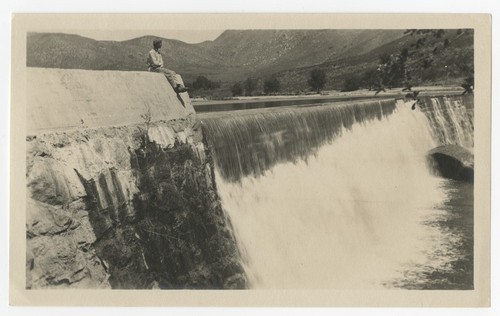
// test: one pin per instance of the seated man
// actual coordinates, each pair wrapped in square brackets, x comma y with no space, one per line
[155,63]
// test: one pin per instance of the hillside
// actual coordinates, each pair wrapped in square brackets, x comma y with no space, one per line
[233,56]
[274,50]
[290,55]
[447,65]
[56,50]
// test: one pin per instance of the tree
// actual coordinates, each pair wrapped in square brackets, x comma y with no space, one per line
[272,85]
[318,79]
[203,83]
[431,56]
[250,86]
[351,84]
[370,79]
[392,69]
[236,89]
[468,85]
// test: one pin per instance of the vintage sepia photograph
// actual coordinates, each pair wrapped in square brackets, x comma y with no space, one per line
[249,158]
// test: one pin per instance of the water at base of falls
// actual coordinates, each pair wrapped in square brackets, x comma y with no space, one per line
[362,211]
[450,231]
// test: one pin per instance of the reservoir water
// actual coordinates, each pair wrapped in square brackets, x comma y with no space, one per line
[254,104]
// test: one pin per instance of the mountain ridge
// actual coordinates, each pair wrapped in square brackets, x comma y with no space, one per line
[289,55]
[232,56]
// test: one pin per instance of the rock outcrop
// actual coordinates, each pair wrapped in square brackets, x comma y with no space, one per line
[127,207]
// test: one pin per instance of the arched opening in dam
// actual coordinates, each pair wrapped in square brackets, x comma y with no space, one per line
[340,195]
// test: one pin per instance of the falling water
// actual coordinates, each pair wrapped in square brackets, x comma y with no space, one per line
[251,142]
[452,119]
[330,196]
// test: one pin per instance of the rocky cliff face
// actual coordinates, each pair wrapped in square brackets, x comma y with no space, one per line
[127,207]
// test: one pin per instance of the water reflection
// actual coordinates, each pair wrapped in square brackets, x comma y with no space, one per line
[450,228]
[238,105]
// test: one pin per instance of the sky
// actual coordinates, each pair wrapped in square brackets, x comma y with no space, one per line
[188,36]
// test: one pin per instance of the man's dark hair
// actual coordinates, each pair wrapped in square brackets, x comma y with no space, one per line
[157,43]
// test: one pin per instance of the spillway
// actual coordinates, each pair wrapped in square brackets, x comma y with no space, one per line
[340,195]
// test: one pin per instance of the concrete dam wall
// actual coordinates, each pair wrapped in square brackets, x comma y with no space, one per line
[63,99]
[120,186]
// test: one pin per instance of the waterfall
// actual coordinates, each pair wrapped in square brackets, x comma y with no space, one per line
[333,196]
[452,119]
[251,142]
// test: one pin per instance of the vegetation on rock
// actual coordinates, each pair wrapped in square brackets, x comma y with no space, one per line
[178,235]
[185,235]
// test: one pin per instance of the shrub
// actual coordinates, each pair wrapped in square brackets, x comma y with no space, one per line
[236,89]
[272,85]
[318,79]
[351,84]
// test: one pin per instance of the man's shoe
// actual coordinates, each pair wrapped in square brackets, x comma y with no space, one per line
[180,89]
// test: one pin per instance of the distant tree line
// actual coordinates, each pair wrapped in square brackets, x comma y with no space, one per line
[272,84]
[203,83]
[245,88]
[250,86]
